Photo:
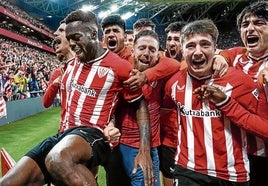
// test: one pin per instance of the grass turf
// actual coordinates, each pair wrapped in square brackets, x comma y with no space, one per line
[20,136]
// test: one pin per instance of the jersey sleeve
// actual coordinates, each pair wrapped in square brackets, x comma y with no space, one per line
[52,90]
[243,118]
[230,54]
[165,67]
[167,105]
[123,73]
[243,89]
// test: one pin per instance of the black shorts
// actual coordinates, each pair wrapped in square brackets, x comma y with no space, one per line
[167,160]
[258,177]
[100,148]
[183,176]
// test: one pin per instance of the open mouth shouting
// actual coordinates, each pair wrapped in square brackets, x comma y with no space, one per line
[56,44]
[173,52]
[142,63]
[112,44]
[252,40]
[198,63]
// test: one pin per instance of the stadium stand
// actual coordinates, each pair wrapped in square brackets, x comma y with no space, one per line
[26,55]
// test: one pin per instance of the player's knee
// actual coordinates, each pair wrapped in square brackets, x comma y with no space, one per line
[55,161]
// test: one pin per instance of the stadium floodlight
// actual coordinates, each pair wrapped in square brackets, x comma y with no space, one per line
[88,8]
[103,14]
[114,8]
[127,15]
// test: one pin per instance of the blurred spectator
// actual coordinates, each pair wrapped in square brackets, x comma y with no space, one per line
[229,39]
[21,80]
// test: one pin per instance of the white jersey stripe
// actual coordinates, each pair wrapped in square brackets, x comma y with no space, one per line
[208,141]
[173,96]
[77,111]
[229,149]
[228,136]
[88,83]
[209,137]
[190,134]
[69,72]
[244,151]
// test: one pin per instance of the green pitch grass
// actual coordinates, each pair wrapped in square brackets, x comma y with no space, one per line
[20,136]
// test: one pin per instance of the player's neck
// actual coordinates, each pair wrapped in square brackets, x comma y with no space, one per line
[200,78]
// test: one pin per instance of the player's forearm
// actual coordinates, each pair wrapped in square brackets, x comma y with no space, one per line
[144,126]
[250,122]
[163,68]
[50,94]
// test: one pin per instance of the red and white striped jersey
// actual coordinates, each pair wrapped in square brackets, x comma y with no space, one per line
[208,142]
[92,90]
[63,94]
[239,58]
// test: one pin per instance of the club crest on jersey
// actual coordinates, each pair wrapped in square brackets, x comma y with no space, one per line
[102,71]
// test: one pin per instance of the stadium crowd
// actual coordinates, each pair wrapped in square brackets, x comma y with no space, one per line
[25,70]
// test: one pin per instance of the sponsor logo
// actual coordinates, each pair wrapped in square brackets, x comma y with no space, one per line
[198,113]
[80,88]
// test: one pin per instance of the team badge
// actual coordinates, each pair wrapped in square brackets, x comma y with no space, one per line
[102,71]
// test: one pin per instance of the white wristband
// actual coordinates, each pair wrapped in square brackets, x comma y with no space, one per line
[223,102]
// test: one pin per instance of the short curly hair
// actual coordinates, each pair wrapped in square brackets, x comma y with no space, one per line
[114,19]
[175,26]
[144,22]
[151,33]
[200,27]
[81,15]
